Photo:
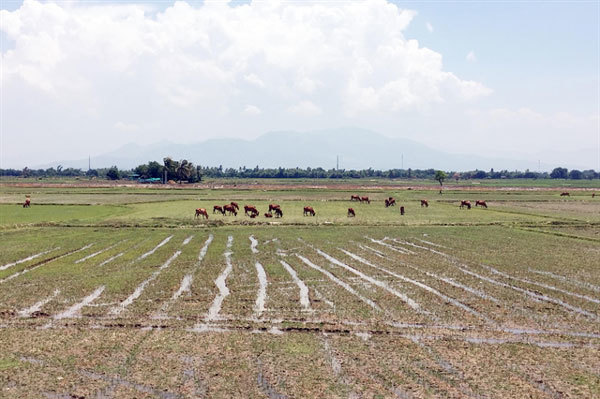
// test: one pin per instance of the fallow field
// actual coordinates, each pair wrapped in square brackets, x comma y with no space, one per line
[119,292]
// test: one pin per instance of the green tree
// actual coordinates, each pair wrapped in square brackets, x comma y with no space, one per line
[440,176]
[559,173]
[185,170]
[171,167]
[575,174]
[113,173]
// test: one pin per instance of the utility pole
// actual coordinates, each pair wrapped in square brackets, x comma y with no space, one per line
[89,162]
[337,163]
[402,161]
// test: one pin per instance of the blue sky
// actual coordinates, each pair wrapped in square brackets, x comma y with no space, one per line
[516,79]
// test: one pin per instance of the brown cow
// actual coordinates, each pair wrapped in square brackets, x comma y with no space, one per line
[564,194]
[268,215]
[390,202]
[424,203]
[250,208]
[27,203]
[402,210]
[308,210]
[201,212]
[278,212]
[481,203]
[365,199]
[593,195]
[218,208]
[465,203]
[235,205]
[230,209]
[354,198]
[272,207]
[351,212]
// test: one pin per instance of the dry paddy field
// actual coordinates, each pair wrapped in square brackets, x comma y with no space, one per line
[495,303]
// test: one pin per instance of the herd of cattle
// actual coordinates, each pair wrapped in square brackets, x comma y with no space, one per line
[275,209]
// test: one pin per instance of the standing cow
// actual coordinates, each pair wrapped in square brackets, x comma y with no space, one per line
[201,212]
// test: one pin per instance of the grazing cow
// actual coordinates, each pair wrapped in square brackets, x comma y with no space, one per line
[268,215]
[218,208]
[390,202]
[354,198]
[250,209]
[278,212]
[402,210]
[27,203]
[351,212]
[235,205]
[365,199]
[564,194]
[465,203]
[424,203]
[230,209]
[201,212]
[481,203]
[272,207]
[593,195]
[308,210]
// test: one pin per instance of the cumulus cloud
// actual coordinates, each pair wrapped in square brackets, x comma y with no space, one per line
[251,110]
[305,108]
[127,127]
[189,64]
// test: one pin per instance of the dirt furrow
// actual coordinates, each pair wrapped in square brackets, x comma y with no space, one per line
[304,299]
[37,306]
[153,250]
[381,284]
[550,287]
[44,262]
[422,286]
[259,306]
[73,311]
[4,267]
[116,310]
[221,283]
[581,284]
[339,282]
[95,254]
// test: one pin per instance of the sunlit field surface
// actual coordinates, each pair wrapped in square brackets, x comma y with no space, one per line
[120,291]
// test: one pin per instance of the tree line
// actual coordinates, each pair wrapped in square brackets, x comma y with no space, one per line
[186,171]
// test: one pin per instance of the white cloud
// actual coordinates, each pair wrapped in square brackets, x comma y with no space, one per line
[251,110]
[305,108]
[126,127]
[471,57]
[94,63]
[429,27]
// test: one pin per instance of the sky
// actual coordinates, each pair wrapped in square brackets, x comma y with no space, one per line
[510,79]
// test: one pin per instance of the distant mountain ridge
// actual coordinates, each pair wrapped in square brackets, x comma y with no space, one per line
[356,148]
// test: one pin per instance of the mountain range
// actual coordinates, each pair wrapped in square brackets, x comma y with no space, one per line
[356,149]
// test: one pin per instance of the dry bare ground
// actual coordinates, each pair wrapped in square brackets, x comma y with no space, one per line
[240,314]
